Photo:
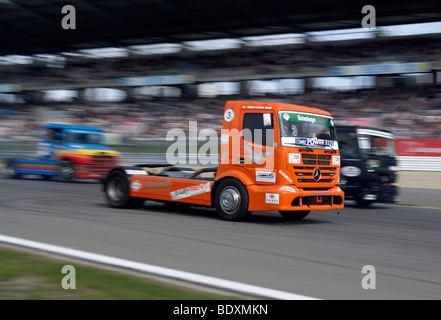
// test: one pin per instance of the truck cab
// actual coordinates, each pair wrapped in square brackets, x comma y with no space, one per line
[272,157]
[286,155]
[369,165]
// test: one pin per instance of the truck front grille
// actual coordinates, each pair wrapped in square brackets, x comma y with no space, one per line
[304,173]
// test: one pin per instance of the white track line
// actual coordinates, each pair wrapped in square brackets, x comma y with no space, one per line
[158,271]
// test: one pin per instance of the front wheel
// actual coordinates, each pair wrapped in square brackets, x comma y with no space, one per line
[231,200]
[67,171]
[294,215]
[362,203]
[117,191]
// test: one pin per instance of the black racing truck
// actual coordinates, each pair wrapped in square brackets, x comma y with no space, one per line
[368,165]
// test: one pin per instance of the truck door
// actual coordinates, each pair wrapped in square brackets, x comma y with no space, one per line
[257,152]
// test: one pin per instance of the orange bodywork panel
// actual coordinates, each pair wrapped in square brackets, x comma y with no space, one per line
[171,189]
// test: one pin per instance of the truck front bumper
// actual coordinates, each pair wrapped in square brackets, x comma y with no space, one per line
[291,198]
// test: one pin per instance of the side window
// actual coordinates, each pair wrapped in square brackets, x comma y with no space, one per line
[58,135]
[347,142]
[49,136]
[255,130]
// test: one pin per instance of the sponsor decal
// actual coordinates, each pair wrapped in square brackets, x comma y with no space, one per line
[257,107]
[294,158]
[156,184]
[336,160]
[286,188]
[265,176]
[285,176]
[137,172]
[315,141]
[350,171]
[320,193]
[306,119]
[190,191]
[309,118]
[272,198]
[135,186]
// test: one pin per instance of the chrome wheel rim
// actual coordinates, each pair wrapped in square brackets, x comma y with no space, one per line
[115,189]
[230,200]
[67,171]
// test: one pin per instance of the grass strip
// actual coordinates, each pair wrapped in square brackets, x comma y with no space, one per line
[407,203]
[25,276]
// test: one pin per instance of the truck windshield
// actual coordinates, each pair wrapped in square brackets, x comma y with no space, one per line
[376,142]
[86,138]
[313,130]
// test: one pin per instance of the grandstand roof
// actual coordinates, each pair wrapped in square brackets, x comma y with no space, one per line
[34,26]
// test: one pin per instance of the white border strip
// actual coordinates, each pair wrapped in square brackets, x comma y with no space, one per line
[155,270]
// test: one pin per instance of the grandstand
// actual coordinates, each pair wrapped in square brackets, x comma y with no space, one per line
[400,76]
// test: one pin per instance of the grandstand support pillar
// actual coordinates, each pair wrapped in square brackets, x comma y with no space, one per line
[131,93]
[309,85]
[244,88]
[81,95]
[33,97]
[189,90]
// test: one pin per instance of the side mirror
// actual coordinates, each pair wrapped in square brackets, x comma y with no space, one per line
[267,120]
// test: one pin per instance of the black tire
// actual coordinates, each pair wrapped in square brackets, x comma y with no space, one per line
[11,170]
[67,171]
[294,215]
[231,200]
[361,202]
[46,177]
[117,191]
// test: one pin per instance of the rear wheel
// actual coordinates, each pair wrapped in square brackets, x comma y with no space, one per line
[11,171]
[294,215]
[231,200]
[117,191]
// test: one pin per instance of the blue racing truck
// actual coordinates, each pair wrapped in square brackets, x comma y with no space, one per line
[68,152]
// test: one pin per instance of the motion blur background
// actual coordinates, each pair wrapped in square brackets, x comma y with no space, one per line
[141,68]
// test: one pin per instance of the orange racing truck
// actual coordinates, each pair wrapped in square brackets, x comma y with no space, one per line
[273,157]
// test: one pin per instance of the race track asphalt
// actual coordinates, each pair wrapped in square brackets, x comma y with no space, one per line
[321,256]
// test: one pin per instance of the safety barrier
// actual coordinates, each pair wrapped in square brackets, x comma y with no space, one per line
[405,163]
